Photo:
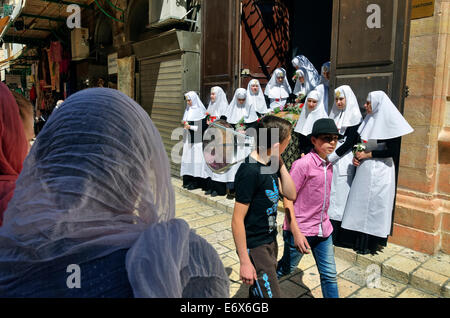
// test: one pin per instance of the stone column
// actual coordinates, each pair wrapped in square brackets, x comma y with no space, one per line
[422,217]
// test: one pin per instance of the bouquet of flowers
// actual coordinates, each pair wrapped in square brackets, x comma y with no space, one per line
[277,110]
[359,147]
[210,118]
[240,126]
[295,77]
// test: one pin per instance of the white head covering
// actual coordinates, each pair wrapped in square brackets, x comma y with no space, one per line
[195,112]
[309,69]
[96,181]
[385,122]
[257,100]
[325,68]
[350,115]
[308,118]
[307,86]
[236,111]
[275,89]
[220,105]
[296,62]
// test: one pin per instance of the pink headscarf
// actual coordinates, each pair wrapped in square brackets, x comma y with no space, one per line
[13,146]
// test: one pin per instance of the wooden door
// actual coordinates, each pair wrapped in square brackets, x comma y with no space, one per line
[220,46]
[369,47]
[265,39]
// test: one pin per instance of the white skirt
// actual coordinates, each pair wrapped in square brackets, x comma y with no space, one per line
[343,174]
[371,199]
[192,161]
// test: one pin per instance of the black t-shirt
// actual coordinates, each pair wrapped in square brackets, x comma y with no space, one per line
[261,191]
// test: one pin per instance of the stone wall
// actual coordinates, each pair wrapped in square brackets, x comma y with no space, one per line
[422,216]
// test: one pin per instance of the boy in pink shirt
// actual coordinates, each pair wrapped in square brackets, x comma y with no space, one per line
[307,225]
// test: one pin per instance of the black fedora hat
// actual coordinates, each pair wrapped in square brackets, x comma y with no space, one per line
[324,126]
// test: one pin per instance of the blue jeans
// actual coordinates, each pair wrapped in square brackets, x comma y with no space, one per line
[322,250]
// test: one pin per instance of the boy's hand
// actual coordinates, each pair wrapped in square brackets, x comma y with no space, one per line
[248,273]
[301,243]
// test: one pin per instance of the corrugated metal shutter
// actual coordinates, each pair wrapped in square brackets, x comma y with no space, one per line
[162,97]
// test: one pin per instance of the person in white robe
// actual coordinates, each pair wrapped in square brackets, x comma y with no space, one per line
[255,97]
[323,86]
[278,89]
[347,117]
[369,209]
[192,161]
[218,104]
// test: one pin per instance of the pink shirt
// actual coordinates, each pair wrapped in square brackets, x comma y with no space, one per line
[312,177]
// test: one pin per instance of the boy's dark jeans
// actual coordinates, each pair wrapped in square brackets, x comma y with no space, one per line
[264,259]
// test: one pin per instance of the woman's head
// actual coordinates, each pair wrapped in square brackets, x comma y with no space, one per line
[339,97]
[213,95]
[280,77]
[241,96]
[188,99]
[254,86]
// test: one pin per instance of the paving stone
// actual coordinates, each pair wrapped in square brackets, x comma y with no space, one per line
[207,213]
[291,290]
[346,288]
[371,293]
[306,262]
[391,286]
[204,231]
[341,265]
[416,256]
[428,281]
[220,236]
[229,243]
[356,275]
[377,259]
[220,248]
[399,268]
[227,261]
[309,278]
[438,265]
[414,293]
[316,292]
[345,254]
[190,217]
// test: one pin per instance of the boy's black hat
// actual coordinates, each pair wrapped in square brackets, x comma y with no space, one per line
[324,126]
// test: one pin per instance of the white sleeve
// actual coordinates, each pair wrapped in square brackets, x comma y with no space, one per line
[194,128]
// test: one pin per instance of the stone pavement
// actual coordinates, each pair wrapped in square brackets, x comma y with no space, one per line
[396,272]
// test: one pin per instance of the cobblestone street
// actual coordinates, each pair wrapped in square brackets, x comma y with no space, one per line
[405,273]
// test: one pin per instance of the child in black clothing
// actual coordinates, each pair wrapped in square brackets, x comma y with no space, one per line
[259,181]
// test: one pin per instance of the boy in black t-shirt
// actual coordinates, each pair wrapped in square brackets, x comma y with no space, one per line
[258,182]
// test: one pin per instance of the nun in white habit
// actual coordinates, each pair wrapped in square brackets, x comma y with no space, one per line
[192,161]
[312,111]
[368,213]
[302,62]
[324,83]
[347,116]
[278,89]
[303,84]
[255,97]
[240,108]
[218,103]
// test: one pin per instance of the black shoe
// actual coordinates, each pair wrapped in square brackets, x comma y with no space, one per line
[209,192]
[192,187]
[214,194]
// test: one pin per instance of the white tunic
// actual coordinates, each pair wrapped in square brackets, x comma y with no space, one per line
[192,161]
[371,199]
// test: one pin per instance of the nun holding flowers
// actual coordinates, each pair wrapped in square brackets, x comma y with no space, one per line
[241,114]
[95,194]
[218,104]
[192,161]
[368,215]
[278,89]
[347,116]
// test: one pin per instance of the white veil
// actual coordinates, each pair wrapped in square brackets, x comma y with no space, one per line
[257,100]
[307,118]
[276,90]
[195,112]
[351,115]
[385,122]
[236,111]
[220,105]
[97,180]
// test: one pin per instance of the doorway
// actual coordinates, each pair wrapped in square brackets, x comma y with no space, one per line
[274,32]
